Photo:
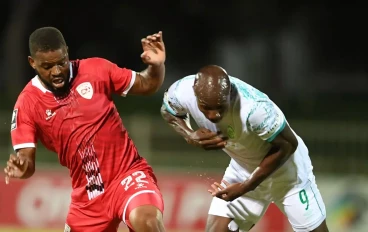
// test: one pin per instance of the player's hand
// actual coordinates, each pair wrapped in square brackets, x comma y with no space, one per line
[207,139]
[16,168]
[231,192]
[153,49]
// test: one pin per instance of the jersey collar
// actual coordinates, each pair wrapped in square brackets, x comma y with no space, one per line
[37,83]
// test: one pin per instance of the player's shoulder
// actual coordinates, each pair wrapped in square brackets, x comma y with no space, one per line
[247,92]
[29,95]
[92,64]
[94,60]
[33,88]
[181,91]
[251,99]
[93,68]
[183,84]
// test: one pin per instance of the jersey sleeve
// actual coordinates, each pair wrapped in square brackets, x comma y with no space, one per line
[173,101]
[122,79]
[23,129]
[266,120]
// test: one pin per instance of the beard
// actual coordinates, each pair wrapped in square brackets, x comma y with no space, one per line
[58,92]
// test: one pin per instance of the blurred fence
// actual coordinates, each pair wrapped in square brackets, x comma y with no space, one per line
[42,202]
[338,147]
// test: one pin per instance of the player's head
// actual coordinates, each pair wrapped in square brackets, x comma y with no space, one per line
[49,58]
[212,89]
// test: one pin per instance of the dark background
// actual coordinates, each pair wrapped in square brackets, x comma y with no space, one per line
[311,59]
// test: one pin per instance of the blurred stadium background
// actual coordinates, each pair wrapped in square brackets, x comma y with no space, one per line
[311,59]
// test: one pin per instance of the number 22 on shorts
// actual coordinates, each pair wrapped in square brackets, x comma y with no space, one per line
[304,198]
[137,177]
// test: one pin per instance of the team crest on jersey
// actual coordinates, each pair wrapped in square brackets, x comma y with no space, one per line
[13,124]
[230,132]
[85,90]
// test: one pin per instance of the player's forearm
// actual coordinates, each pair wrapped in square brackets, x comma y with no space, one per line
[273,161]
[30,170]
[27,156]
[180,125]
[153,77]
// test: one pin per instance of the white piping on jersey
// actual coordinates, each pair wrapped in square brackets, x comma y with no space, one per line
[23,145]
[131,198]
[132,80]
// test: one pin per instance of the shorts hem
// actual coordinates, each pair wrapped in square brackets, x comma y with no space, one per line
[124,209]
[219,215]
[309,227]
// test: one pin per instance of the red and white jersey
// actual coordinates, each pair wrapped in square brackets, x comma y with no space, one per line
[84,128]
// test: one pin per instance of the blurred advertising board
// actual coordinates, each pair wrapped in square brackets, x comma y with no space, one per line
[43,200]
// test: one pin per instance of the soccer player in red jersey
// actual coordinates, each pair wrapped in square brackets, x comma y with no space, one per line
[68,107]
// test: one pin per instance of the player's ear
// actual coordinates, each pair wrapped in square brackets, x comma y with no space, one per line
[67,51]
[31,62]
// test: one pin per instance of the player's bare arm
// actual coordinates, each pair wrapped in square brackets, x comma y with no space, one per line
[21,165]
[284,145]
[154,55]
[180,124]
[202,137]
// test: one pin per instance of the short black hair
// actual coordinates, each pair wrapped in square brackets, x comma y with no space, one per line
[45,39]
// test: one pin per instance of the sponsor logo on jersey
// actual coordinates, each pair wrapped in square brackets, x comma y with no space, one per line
[49,114]
[140,185]
[85,90]
[13,124]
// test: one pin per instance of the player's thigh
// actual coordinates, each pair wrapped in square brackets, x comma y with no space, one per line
[136,190]
[218,223]
[305,210]
[92,218]
[146,218]
[244,213]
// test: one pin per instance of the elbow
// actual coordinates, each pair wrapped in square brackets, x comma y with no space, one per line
[151,90]
[294,146]
[163,112]
[154,85]
[165,115]
[146,85]
[150,86]
[290,148]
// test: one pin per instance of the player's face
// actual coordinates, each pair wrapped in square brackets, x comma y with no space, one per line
[214,109]
[52,67]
